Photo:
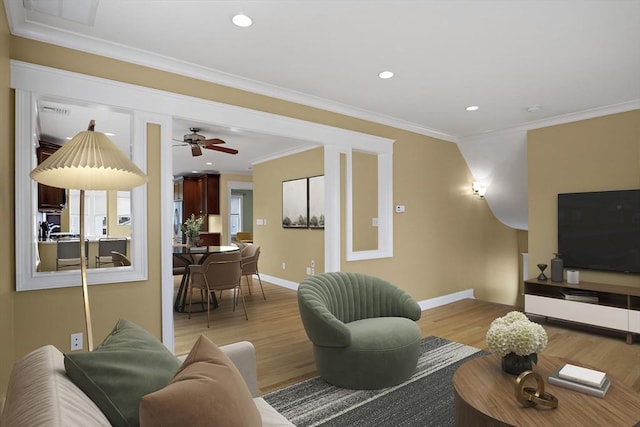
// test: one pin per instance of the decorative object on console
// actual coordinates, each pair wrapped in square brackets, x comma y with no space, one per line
[557,269]
[573,277]
[89,161]
[542,276]
[517,340]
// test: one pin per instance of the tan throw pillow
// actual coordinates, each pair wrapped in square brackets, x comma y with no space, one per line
[207,390]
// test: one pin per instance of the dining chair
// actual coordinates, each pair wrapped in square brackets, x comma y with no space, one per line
[106,246]
[249,256]
[218,272]
[119,260]
[68,253]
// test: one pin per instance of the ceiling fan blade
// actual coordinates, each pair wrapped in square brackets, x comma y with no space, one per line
[222,149]
[195,150]
[212,141]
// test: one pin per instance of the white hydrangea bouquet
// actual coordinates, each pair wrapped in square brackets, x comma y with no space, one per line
[516,339]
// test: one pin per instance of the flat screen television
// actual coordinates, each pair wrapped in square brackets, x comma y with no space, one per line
[600,230]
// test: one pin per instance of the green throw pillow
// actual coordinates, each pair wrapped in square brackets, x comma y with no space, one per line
[129,364]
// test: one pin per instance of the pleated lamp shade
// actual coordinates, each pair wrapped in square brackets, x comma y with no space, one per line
[89,161]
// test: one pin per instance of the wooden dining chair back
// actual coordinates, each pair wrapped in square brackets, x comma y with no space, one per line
[250,255]
[218,272]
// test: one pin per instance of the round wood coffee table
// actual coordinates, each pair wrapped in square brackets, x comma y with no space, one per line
[484,396]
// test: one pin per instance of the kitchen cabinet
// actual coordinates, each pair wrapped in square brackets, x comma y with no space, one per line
[50,199]
[200,195]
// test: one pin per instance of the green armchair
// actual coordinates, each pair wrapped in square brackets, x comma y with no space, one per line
[362,328]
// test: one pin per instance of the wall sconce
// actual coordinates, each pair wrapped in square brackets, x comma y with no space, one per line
[478,189]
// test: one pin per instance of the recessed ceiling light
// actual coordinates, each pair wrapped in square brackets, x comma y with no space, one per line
[534,108]
[194,171]
[208,163]
[110,134]
[472,108]
[385,74]
[242,20]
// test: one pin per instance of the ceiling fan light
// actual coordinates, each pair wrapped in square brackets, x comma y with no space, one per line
[242,20]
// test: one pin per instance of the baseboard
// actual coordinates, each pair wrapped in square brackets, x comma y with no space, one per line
[280,282]
[424,304]
[445,299]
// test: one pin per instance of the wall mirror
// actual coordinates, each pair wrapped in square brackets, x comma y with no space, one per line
[47,218]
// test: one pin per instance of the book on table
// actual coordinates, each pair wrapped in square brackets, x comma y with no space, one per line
[598,391]
[582,375]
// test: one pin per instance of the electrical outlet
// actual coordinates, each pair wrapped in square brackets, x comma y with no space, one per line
[313,264]
[284,266]
[308,271]
[374,222]
[76,341]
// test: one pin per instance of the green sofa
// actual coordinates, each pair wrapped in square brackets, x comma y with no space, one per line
[362,328]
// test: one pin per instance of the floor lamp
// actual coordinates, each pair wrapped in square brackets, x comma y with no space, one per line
[89,161]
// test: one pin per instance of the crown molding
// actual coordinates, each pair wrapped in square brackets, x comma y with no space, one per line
[557,120]
[23,28]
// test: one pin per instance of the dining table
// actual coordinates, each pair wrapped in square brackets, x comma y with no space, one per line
[190,255]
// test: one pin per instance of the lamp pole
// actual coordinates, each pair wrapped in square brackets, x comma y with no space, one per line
[83,272]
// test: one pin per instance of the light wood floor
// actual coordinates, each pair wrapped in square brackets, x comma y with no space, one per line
[284,354]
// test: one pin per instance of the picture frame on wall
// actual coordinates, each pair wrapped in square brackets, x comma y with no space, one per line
[295,203]
[316,202]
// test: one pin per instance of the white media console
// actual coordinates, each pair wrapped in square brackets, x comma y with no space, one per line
[611,306]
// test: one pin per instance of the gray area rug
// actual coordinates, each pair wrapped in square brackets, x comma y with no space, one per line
[426,399]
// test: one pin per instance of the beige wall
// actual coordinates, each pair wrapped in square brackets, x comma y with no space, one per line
[446,241]
[442,228]
[7,271]
[294,247]
[365,201]
[589,155]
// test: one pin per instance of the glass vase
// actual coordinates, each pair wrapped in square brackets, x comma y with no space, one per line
[515,365]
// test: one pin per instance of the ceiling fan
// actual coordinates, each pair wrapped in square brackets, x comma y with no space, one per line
[197,142]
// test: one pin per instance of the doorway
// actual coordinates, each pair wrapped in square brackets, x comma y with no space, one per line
[240,212]
[240,202]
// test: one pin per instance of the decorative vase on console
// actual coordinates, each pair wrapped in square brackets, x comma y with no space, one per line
[517,340]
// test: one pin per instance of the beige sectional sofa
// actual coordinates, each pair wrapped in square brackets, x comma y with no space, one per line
[41,394]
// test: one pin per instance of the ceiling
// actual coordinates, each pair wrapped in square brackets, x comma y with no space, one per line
[522,62]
